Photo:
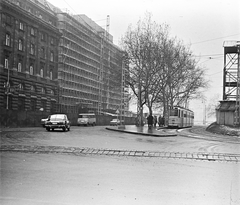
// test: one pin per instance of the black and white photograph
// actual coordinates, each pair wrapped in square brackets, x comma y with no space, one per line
[120,102]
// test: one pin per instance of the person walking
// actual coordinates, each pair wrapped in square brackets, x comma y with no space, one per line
[150,121]
[155,121]
[159,121]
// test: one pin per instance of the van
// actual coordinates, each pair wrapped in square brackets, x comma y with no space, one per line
[86,119]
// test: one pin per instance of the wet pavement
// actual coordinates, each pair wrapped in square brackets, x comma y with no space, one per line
[133,129]
[72,149]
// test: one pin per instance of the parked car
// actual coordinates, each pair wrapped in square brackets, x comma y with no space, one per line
[115,122]
[43,121]
[57,121]
[86,119]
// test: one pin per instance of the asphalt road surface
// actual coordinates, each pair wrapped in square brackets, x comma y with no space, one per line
[40,167]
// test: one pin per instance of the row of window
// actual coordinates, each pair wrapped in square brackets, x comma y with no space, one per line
[32,47]
[31,69]
[36,12]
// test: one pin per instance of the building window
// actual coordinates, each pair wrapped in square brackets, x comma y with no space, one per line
[32,31]
[19,67]
[51,56]
[43,52]
[20,44]
[41,72]
[21,26]
[20,86]
[31,70]
[21,103]
[32,49]
[32,88]
[43,36]
[52,41]
[33,104]
[7,39]
[51,75]
[43,91]
[6,63]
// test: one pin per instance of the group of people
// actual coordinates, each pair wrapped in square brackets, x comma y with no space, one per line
[153,121]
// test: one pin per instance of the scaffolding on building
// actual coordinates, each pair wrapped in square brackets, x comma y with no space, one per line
[231,76]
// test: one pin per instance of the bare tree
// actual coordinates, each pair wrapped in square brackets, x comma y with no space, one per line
[161,69]
[142,46]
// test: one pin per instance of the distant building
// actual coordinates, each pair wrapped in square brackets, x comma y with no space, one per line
[28,56]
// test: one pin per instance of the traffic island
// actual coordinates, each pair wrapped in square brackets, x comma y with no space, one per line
[141,131]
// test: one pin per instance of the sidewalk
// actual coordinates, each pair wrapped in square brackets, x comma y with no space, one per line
[133,129]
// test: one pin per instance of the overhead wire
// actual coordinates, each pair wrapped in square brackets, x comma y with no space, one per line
[215,38]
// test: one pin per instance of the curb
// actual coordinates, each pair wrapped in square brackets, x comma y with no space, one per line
[142,133]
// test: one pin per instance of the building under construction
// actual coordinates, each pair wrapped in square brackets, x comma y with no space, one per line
[90,66]
[51,61]
[228,112]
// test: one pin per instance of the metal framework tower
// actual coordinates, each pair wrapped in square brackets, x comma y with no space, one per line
[231,75]
[107,27]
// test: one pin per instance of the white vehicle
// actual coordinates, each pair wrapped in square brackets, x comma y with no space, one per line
[86,119]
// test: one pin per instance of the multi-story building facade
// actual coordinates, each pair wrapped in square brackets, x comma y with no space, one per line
[90,66]
[28,56]
[51,61]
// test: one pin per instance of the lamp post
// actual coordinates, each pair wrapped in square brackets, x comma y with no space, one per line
[8,87]
[204,111]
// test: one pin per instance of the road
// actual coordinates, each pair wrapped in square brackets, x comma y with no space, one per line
[42,177]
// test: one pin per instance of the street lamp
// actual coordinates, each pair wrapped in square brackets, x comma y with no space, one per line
[8,86]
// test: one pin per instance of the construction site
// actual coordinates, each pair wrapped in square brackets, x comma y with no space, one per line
[228,112]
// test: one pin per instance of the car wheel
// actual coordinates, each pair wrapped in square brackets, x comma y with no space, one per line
[48,129]
[64,129]
[69,128]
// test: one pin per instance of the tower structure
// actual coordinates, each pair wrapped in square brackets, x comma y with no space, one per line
[231,75]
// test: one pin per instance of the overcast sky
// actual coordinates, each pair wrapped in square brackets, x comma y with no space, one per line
[205,24]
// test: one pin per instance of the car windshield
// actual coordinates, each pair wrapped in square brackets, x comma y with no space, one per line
[84,116]
[57,117]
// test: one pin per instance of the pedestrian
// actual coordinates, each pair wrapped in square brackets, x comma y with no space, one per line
[150,121]
[159,121]
[163,121]
[155,121]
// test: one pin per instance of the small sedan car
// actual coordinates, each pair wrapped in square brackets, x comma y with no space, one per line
[57,121]
[115,122]
[43,121]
